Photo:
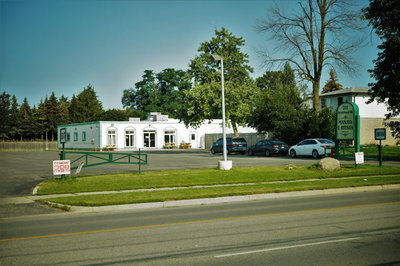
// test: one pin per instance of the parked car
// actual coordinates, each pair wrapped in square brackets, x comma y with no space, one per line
[268,148]
[313,147]
[232,145]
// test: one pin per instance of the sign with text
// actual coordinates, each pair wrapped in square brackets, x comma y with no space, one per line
[61,167]
[359,157]
[346,121]
[63,135]
[380,133]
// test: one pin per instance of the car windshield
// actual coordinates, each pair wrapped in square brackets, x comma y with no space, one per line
[277,142]
[325,141]
[239,140]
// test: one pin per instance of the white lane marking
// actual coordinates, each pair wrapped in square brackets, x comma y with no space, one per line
[286,247]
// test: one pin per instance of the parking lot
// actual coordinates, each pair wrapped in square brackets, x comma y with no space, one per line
[21,171]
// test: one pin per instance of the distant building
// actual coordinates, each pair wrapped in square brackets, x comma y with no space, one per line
[156,132]
[371,115]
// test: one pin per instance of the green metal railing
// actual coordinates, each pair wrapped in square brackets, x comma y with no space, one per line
[371,152]
[88,159]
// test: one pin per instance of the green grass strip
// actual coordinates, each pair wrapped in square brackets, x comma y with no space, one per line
[202,177]
[212,192]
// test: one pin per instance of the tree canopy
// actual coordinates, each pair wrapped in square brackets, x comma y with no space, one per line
[203,100]
[319,33]
[384,16]
[161,92]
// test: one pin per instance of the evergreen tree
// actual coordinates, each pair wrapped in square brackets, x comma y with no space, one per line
[5,106]
[26,120]
[332,84]
[85,107]
[15,119]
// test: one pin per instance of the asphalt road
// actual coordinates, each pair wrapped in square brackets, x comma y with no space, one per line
[345,229]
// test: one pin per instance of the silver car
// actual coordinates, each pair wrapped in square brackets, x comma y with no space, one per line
[313,147]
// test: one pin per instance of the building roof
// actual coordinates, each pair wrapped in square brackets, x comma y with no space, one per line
[349,90]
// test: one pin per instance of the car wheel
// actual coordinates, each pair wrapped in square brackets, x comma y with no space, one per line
[267,153]
[250,152]
[293,153]
[315,154]
[212,151]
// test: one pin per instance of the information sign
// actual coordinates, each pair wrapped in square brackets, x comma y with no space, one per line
[63,135]
[61,167]
[346,121]
[380,133]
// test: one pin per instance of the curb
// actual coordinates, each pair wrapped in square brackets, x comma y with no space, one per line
[191,202]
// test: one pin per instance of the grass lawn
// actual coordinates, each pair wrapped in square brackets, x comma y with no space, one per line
[210,192]
[186,178]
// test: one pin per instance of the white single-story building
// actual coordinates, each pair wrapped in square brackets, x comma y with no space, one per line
[372,115]
[157,132]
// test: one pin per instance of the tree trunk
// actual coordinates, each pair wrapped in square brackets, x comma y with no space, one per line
[316,96]
[235,130]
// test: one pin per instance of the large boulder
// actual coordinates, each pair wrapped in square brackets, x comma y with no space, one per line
[329,164]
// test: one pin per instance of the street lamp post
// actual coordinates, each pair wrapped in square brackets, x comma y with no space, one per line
[225,164]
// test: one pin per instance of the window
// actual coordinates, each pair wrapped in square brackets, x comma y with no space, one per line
[393,125]
[75,136]
[169,136]
[129,138]
[111,137]
[68,137]
[339,100]
[193,136]
[83,136]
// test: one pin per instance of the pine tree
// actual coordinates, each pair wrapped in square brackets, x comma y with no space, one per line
[4,114]
[332,84]
[25,125]
[15,118]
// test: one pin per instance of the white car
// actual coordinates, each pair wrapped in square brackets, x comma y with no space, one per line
[313,147]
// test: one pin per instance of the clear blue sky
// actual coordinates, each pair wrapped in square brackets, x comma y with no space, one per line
[64,45]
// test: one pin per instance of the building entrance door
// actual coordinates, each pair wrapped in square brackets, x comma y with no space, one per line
[149,139]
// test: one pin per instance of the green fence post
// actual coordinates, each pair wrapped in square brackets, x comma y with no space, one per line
[140,158]
[380,153]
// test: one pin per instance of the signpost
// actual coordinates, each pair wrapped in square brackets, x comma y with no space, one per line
[380,134]
[347,126]
[63,139]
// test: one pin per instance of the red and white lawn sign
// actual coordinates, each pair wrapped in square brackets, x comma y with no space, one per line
[359,157]
[61,167]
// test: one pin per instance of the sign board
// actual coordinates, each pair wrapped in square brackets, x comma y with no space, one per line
[346,121]
[359,157]
[380,133]
[61,167]
[63,135]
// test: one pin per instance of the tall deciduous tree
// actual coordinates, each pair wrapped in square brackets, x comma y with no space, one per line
[317,34]
[332,84]
[161,92]
[384,16]
[203,100]
[278,106]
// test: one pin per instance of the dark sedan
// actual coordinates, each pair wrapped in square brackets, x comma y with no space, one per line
[268,148]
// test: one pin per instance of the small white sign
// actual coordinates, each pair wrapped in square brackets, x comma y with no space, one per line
[61,167]
[78,170]
[359,157]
